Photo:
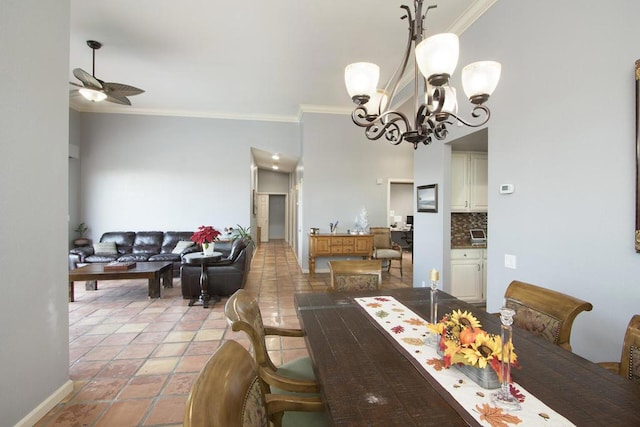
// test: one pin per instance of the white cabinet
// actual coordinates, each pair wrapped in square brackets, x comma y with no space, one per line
[469,177]
[468,274]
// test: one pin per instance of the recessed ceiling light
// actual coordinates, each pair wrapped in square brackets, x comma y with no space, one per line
[275,157]
[275,167]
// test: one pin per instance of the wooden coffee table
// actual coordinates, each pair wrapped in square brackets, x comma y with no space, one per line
[152,271]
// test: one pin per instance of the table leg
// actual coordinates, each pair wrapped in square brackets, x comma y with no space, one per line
[71,292]
[154,286]
[204,289]
[312,266]
[167,278]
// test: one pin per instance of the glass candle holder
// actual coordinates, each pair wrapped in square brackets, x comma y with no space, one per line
[503,397]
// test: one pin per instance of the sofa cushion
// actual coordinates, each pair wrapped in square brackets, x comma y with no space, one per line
[135,257]
[165,257]
[171,238]
[105,248]
[148,242]
[181,246]
[101,258]
[122,239]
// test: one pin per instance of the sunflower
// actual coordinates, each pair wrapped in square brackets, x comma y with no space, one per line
[482,351]
[464,319]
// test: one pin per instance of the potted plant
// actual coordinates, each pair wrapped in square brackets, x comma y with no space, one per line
[81,241]
[242,233]
[205,236]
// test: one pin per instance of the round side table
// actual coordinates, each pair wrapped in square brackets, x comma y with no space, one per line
[198,258]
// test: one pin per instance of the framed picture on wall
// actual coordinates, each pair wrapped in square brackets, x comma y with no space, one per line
[428,198]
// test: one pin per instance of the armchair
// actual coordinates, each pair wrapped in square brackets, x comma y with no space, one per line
[384,248]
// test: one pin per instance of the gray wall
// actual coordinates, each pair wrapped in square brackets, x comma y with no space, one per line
[171,173]
[562,131]
[34,137]
[341,169]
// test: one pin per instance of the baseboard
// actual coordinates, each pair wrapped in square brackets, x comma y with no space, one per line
[48,404]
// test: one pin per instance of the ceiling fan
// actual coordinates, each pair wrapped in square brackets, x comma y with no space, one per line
[96,90]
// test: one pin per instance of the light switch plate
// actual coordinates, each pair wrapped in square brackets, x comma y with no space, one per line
[510,261]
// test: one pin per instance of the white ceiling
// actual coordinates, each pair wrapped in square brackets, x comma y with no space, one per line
[256,59]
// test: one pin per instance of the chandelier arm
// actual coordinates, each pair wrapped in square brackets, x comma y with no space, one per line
[399,72]
[474,113]
[361,117]
[387,125]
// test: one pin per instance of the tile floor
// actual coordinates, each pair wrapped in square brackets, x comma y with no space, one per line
[133,360]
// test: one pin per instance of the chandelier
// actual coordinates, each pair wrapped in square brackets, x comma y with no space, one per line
[435,104]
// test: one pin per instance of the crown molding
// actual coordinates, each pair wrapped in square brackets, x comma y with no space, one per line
[108,108]
[475,10]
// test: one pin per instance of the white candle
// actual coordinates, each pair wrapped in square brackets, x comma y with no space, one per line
[434,276]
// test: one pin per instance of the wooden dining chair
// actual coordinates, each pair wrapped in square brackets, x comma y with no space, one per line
[355,275]
[228,393]
[243,313]
[544,312]
[384,248]
[629,365]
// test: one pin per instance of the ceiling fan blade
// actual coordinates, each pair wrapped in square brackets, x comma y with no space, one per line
[117,99]
[121,89]
[87,79]
[75,84]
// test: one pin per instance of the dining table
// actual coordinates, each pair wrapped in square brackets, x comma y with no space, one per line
[366,380]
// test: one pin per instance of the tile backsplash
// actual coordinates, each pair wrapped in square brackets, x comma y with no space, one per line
[461,223]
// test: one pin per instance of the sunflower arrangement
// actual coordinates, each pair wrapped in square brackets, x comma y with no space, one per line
[462,340]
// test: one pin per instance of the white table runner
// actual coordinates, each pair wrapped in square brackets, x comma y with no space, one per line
[409,331]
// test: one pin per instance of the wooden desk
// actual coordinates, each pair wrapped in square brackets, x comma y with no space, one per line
[365,381]
[325,245]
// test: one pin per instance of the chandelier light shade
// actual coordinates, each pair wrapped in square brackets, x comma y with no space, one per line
[437,57]
[361,79]
[92,95]
[480,79]
[435,103]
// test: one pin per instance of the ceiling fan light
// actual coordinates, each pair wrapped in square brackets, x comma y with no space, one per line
[92,94]
[480,79]
[361,79]
[438,55]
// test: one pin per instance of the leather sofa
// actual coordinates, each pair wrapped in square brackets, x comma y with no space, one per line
[138,246]
[224,277]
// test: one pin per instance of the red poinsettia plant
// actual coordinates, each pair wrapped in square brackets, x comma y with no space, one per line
[205,234]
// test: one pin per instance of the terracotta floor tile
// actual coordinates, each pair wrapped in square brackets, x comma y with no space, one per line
[100,389]
[170,349]
[120,368]
[78,414]
[128,413]
[180,384]
[167,410]
[136,351]
[158,366]
[103,352]
[209,335]
[192,363]
[202,347]
[86,369]
[179,336]
[143,386]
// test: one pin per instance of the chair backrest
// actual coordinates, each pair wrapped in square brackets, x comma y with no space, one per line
[381,237]
[243,312]
[630,360]
[355,275]
[227,392]
[544,312]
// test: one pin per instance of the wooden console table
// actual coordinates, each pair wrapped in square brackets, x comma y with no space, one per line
[326,245]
